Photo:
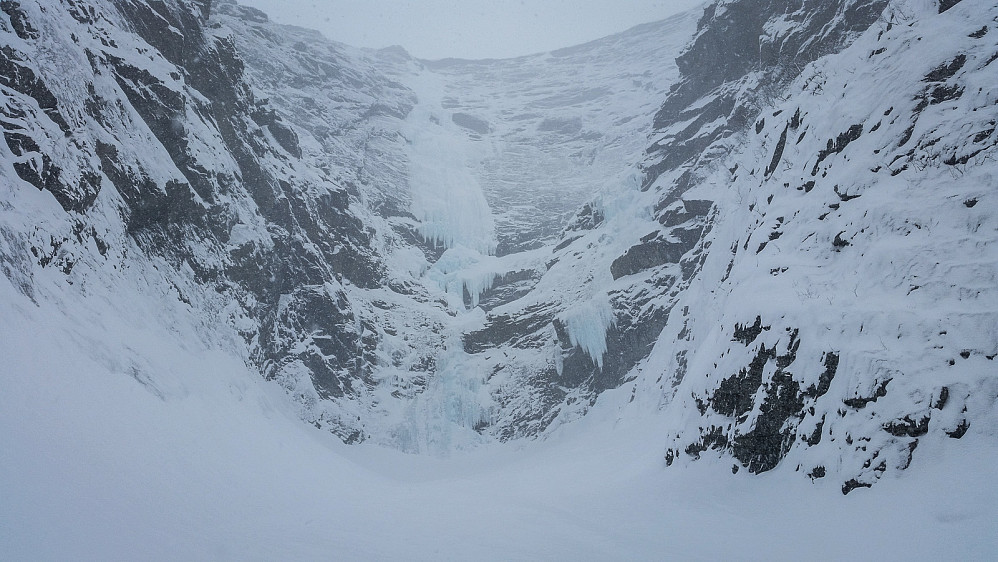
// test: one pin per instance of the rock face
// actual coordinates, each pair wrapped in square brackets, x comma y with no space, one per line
[156,132]
[726,215]
[732,85]
[478,166]
[839,345]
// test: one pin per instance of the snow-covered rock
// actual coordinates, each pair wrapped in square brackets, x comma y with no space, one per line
[847,313]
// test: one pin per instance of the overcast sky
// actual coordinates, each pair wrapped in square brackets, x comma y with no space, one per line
[433,29]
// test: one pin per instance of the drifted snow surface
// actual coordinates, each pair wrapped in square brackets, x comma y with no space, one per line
[206,461]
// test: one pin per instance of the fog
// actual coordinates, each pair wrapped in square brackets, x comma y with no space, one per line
[473,29]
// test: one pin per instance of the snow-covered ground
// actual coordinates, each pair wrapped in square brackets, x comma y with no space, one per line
[200,459]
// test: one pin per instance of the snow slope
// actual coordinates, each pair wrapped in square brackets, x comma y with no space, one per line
[200,459]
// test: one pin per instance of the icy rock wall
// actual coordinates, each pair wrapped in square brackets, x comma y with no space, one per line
[620,265]
[138,119]
[847,315]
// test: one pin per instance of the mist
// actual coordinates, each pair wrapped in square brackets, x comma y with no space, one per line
[471,29]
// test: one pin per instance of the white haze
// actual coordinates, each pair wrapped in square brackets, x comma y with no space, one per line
[470,29]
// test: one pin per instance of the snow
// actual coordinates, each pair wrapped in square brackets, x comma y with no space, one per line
[200,459]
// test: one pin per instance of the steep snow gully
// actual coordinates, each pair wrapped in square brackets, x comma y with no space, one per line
[724,285]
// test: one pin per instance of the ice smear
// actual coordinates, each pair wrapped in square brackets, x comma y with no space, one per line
[445,417]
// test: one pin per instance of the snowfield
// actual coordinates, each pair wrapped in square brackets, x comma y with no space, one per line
[200,459]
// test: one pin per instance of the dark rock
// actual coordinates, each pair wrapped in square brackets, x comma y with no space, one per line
[960,430]
[984,135]
[715,62]
[174,31]
[588,218]
[472,123]
[517,330]
[39,170]
[825,379]
[317,328]
[979,33]
[942,94]
[943,398]
[505,289]
[670,457]
[698,207]
[265,116]
[908,427]
[637,327]
[763,447]
[796,120]
[747,334]
[565,243]
[861,402]
[17,75]
[778,153]
[673,212]
[648,255]
[713,438]
[815,436]
[946,71]
[735,395]
[840,143]
[852,484]
[19,20]
[844,196]
[947,4]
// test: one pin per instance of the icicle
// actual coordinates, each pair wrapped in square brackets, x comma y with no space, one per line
[587,323]
[462,269]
